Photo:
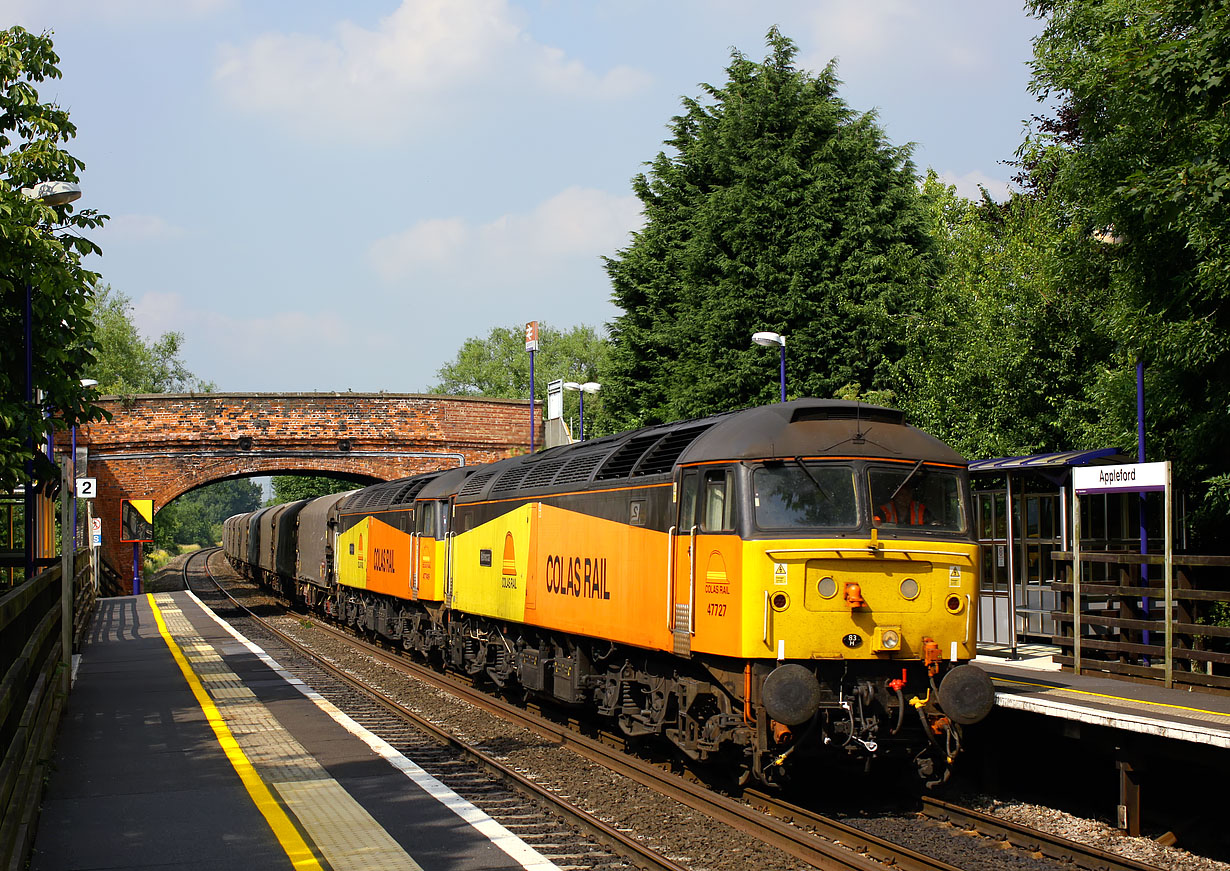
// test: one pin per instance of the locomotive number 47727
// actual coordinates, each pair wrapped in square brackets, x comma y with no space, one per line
[717,609]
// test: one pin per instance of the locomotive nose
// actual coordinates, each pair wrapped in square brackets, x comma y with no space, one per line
[966,694]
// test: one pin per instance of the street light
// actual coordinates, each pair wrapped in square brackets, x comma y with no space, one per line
[769,340]
[582,389]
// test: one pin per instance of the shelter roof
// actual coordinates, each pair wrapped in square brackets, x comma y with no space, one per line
[1050,462]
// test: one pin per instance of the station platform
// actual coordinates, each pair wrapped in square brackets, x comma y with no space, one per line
[1034,683]
[184,746]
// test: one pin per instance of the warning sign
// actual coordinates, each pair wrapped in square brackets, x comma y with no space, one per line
[136,520]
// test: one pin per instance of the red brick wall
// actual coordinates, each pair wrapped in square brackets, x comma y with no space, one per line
[161,446]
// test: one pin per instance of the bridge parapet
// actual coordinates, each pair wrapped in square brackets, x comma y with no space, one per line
[160,446]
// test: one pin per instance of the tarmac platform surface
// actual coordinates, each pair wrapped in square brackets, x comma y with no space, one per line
[185,747]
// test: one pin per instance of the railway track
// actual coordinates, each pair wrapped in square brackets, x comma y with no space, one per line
[811,838]
[389,719]
[1031,840]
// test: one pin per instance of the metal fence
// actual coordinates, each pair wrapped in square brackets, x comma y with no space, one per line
[1122,619]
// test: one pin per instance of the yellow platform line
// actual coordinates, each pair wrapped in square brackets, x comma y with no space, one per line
[1063,689]
[297,850]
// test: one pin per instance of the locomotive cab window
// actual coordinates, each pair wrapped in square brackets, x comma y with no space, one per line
[923,497]
[687,501]
[794,494]
[707,501]
[425,519]
[718,501]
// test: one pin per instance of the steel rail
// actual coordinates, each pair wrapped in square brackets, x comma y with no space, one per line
[829,844]
[1050,845]
[618,842]
[817,840]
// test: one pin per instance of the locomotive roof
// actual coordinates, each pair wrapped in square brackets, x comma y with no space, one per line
[804,427]
[818,428]
[398,492]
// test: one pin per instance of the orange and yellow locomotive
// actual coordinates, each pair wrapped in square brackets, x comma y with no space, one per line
[759,588]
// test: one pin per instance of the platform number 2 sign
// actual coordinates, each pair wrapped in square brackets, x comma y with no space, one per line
[87,488]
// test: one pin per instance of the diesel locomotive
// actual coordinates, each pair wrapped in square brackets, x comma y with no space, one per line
[764,589]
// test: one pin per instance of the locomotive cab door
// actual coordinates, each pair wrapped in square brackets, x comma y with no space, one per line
[683,563]
[423,553]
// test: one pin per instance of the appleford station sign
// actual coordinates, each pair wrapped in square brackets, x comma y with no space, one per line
[1134,477]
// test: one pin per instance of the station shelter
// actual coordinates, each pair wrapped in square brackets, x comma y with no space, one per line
[1017,597]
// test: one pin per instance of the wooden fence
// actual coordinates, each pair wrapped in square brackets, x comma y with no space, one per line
[1122,619]
[32,695]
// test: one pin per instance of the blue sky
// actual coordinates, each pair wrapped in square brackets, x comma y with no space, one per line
[334,196]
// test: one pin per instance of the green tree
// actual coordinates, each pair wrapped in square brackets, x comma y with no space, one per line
[499,365]
[196,517]
[1138,152]
[125,363]
[41,251]
[292,488]
[779,208]
[1005,355]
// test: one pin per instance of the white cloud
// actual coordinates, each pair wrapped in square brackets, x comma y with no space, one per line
[137,228]
[967,185]
[886,32]
[418,63]
[576,223]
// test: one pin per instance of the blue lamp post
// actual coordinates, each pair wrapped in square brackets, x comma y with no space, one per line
[769,340]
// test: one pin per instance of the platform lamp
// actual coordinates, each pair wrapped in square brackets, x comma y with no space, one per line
[582,389]
[50,193]
[769,340]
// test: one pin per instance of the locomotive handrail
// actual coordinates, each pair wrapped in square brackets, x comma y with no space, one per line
[692,581]
[670,579]
[765,636]
[414,563]
[448,570]
[866,552]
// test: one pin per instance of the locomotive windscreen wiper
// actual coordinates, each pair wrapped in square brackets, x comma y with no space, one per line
[814,479]
[906,479]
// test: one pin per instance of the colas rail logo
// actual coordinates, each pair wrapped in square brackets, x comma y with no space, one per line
[577,576]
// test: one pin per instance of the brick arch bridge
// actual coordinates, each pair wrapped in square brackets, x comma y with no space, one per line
[162,446]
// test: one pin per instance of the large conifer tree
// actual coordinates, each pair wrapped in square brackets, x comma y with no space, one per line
[779,208]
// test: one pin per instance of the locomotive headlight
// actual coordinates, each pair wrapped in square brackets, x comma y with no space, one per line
[909,589]
[827,587]
[886,640]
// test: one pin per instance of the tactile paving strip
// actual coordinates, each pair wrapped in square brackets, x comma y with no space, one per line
[344,832]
